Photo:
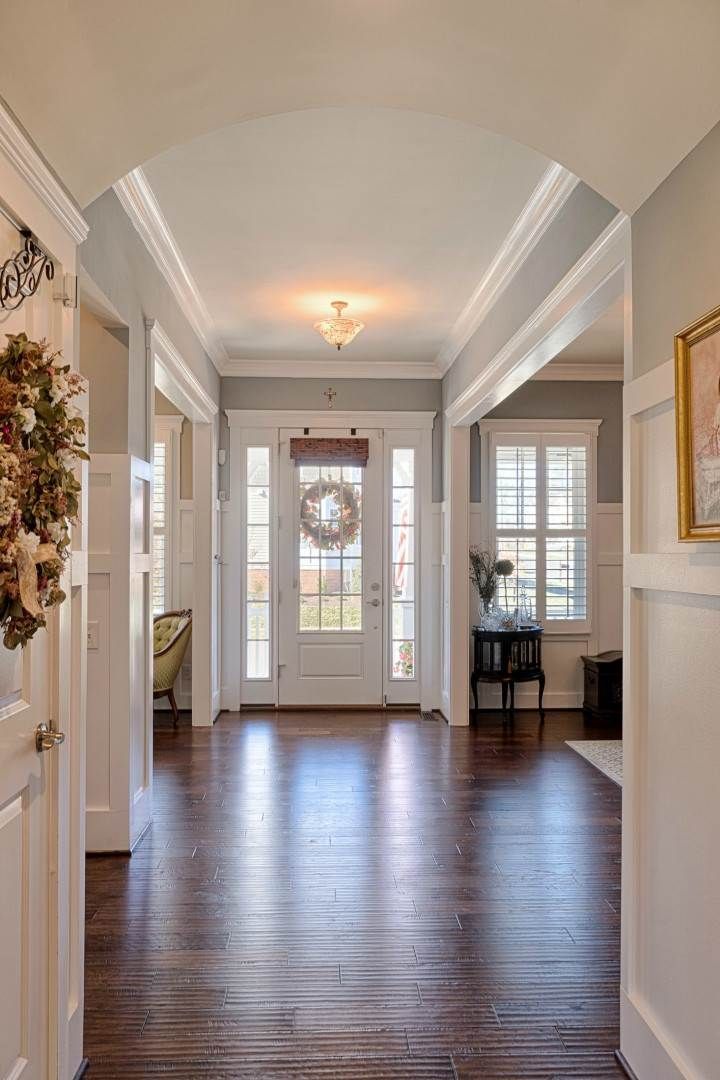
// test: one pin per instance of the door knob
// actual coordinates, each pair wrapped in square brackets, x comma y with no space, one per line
[373,603]
[45,739]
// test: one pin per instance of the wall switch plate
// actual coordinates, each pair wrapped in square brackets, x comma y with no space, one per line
[93,634]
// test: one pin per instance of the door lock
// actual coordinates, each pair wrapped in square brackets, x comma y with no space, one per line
[373,603]
[45,739]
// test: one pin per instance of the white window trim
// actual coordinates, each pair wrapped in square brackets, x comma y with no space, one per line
[168,429]
[495,432]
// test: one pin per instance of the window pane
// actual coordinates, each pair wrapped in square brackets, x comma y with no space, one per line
[403,581]
[402,610]
[351,613]
[258,582]
[403,467]
[258,465]
[257,558]
[403,620]
[403,509]
[258,512]
[330,613]
[258,627]
[524,555]
[403,659]
[403,543]
[331,472]
[352,575]
[566,584]
[258,659]
[258,543]
[515,492]
[566,484]
[309,612]
[330,573]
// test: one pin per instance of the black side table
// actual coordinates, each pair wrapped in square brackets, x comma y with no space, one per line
[508,657]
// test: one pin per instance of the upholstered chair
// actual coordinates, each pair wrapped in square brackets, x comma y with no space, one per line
[171,634]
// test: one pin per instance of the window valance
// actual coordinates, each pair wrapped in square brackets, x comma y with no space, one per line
[338,451]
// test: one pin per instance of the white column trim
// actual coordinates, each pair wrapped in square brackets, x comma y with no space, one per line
[586,291]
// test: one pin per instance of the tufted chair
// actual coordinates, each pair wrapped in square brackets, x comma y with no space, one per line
[171,634]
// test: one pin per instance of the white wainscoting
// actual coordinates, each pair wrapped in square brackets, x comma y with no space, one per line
[119,665]
[562,652]
[671,818]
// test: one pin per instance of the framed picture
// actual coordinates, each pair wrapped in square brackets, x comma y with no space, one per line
[697,411]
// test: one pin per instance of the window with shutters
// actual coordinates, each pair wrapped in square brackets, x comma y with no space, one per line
[161,532]
[540,486]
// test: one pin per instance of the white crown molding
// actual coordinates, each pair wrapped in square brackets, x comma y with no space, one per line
[541,209]
[141,206]
[558,371]
[539,427]
[329,418]
[169,422]
[329,369]
[590,286]
[26,159]
[173,377]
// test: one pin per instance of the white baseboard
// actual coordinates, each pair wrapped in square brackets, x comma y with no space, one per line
[646,1048]
[106,831]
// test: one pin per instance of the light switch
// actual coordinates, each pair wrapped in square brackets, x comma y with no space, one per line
[93,634]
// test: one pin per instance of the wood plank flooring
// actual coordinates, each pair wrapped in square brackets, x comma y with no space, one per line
[362,896]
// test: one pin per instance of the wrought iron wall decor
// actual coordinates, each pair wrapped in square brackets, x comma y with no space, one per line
[22,274]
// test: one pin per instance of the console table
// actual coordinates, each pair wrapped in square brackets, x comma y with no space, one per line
[508,657]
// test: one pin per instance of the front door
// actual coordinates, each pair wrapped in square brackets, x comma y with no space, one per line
[330,563]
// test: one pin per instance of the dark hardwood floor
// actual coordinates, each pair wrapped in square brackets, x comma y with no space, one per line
[362,896]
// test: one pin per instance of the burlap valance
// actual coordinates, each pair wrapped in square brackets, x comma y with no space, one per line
[329,451]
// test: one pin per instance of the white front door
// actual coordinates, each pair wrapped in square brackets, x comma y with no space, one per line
[330,566]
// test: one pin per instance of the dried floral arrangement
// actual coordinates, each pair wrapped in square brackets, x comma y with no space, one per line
[42,435]
[485,569]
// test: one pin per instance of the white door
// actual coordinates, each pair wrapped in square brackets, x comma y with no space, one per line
[34,826]
[330,565]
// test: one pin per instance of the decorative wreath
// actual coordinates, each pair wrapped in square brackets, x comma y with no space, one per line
[42,435]
[335,535]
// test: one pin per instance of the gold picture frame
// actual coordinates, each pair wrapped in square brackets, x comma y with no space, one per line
[697,421]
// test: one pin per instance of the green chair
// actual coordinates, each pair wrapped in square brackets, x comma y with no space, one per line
[171,634]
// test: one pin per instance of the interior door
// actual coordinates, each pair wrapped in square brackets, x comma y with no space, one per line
[30,952]
[330,578]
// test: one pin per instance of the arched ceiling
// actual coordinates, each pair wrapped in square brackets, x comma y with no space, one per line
[618,91]
[396,212]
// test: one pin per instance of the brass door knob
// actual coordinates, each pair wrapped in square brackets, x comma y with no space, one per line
[45,739]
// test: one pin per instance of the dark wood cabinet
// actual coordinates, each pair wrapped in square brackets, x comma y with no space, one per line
[508,657]
[603,685]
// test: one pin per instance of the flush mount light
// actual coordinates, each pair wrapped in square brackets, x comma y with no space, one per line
[341,329]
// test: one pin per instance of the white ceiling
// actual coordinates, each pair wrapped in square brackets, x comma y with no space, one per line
[396,212]
[618,92]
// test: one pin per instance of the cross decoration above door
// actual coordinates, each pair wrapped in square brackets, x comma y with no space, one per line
[335,451]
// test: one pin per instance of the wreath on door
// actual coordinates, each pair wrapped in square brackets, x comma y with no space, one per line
[330,535]
[42,436]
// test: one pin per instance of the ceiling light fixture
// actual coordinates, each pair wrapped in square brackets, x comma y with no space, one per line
[340,329]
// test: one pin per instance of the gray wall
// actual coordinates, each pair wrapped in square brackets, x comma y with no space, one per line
[420,395]
[581,220]
[120,265]
[104,360]
[570,401]
[676,254]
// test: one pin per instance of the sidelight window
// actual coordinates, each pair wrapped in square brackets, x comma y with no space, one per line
[257,563]
[402,584]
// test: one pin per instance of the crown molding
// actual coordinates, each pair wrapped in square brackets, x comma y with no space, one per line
[141,206]
[555,188]
[329,369]
[559,371]
[539,427]
[589,287]
[33,168]
[171,374]
[330,418]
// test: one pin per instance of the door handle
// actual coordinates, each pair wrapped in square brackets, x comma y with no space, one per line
[45,739]
[373,603]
